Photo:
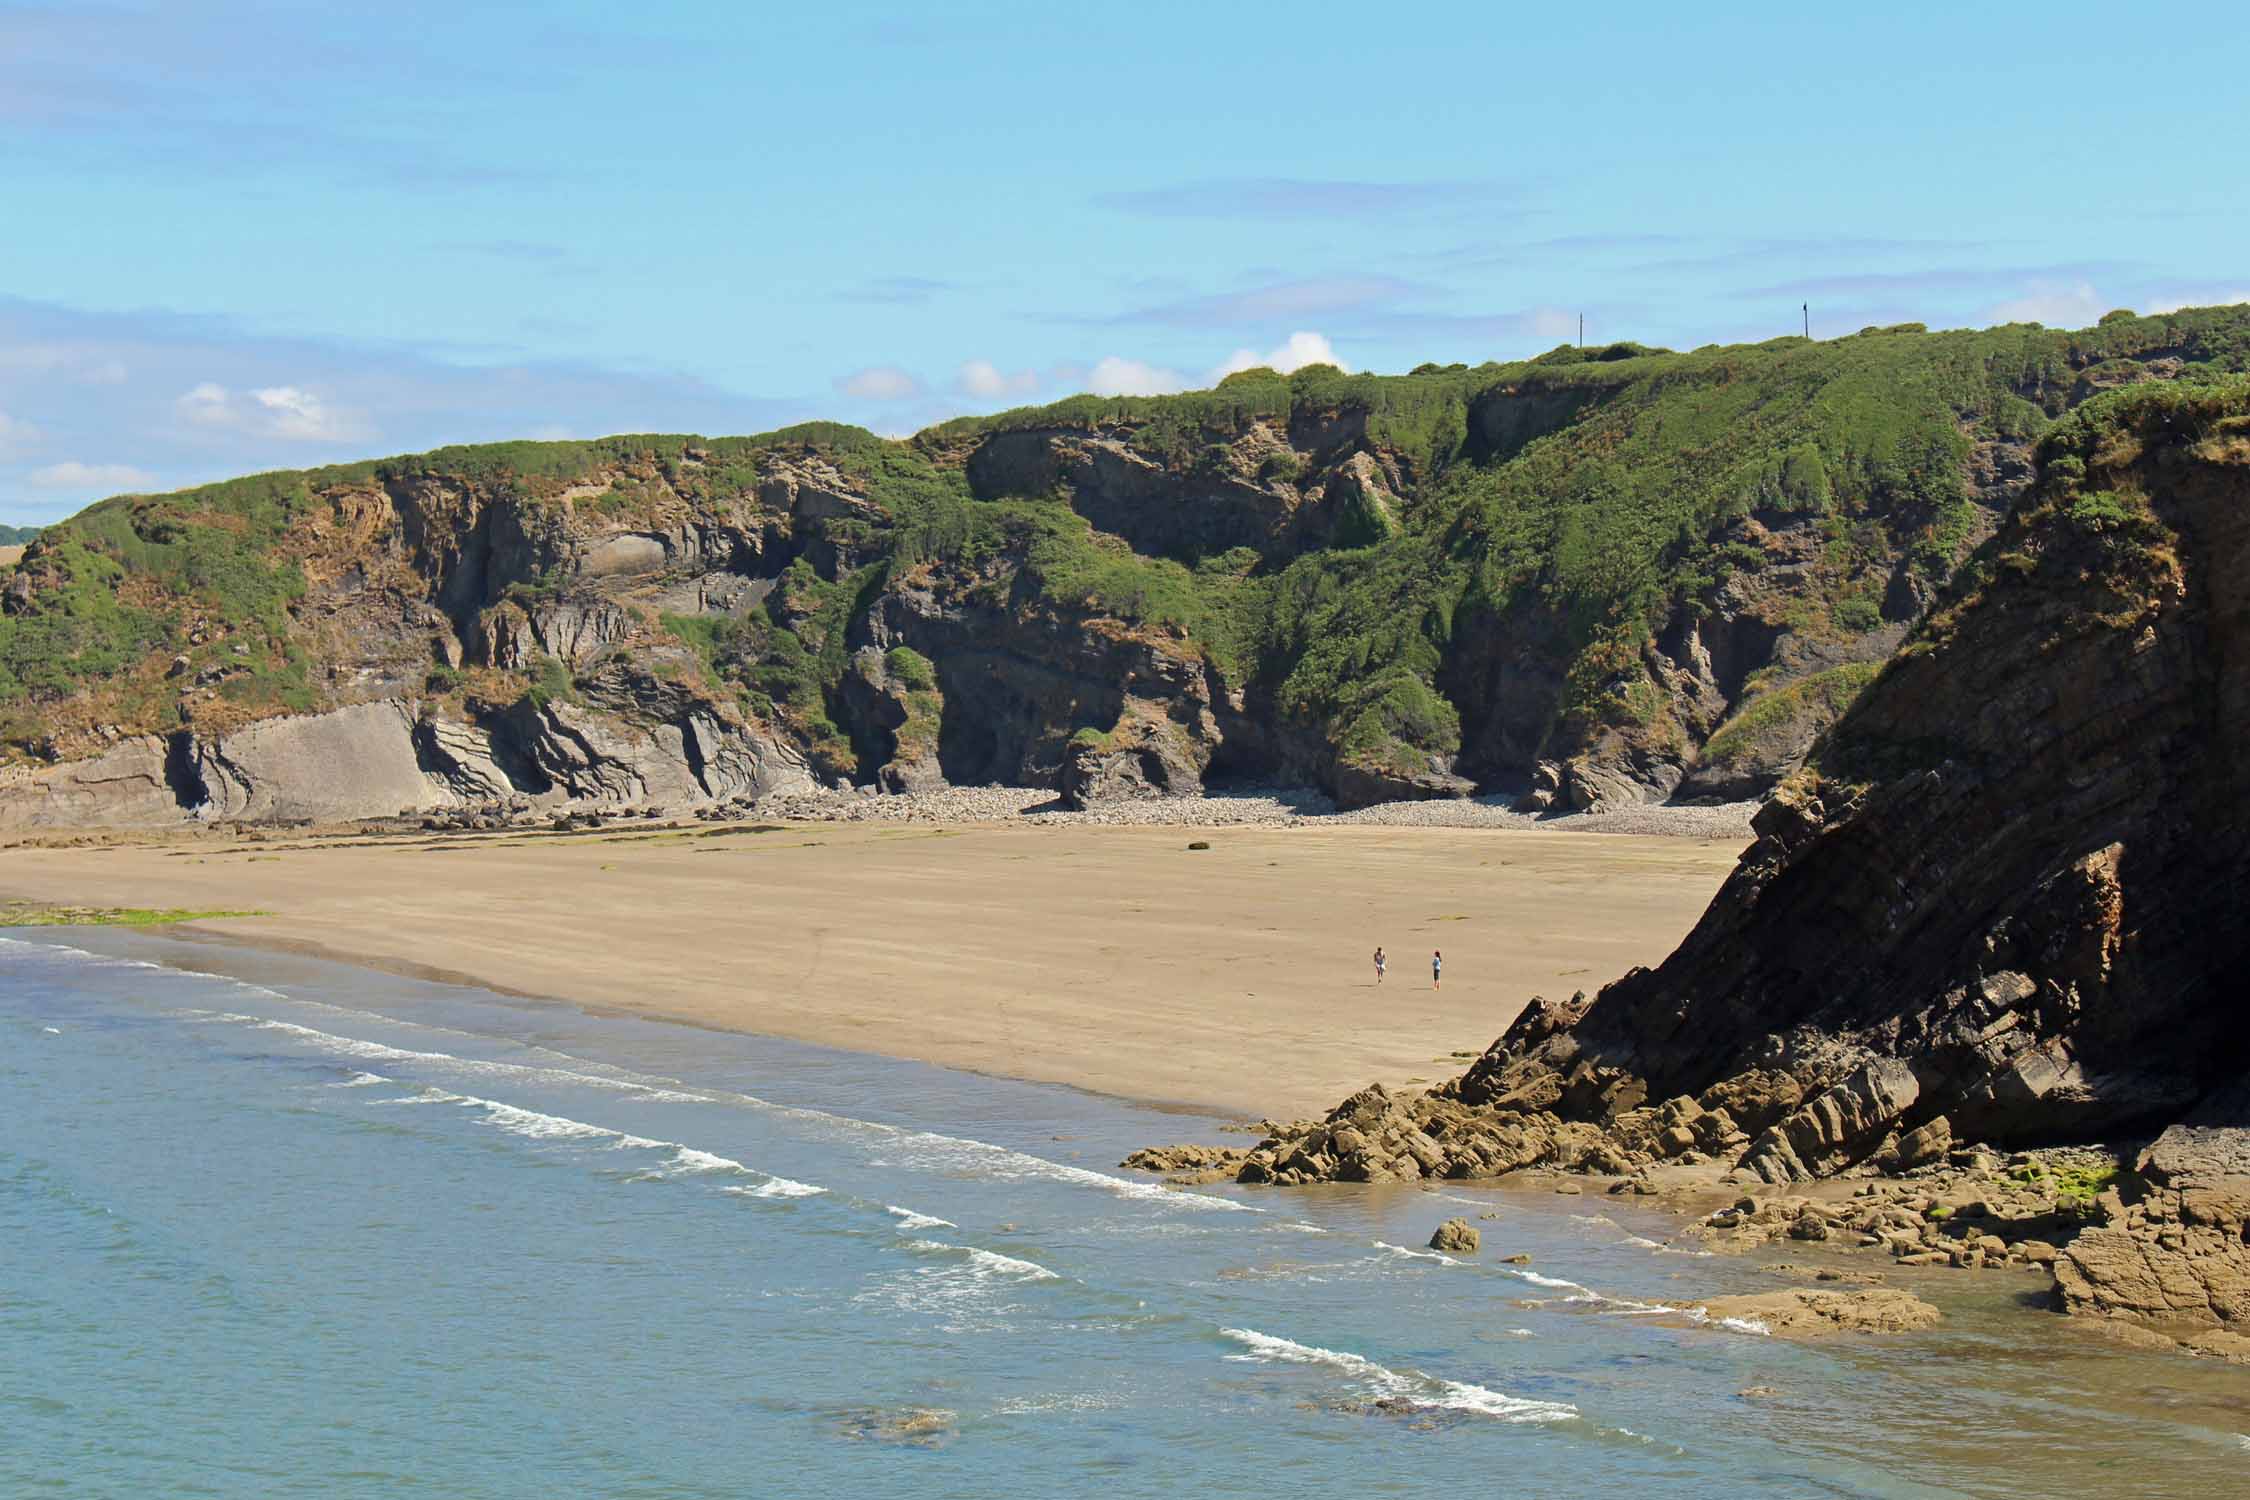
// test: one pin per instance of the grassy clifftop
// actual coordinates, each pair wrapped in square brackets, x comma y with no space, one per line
[1607,553]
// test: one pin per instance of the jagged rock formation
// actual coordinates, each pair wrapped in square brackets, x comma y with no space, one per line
[1602,575]
[2001,902]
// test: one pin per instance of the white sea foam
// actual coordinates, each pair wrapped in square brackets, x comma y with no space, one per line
[52,1030]
[50,950]
[1008,1265]
[986,1262]
[1643,1243]
[1521,1333]
[923,1148]
[780,1187]
[476,1067]
[1701,1315]
[428,1096]
[919,1148]
[686,1161]
[533,1125]
[909,1219]
[1443,1260]
[1300,1227]
[1555,1282]
[1423,1390]
[360,1081]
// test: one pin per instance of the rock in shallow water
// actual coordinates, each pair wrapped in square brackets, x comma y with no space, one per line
[1456,1237]
[1808,1312]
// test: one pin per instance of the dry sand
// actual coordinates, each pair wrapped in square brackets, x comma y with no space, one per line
[1115,959]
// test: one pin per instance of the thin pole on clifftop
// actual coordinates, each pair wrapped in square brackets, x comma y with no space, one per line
[1581,330]
[1808,320]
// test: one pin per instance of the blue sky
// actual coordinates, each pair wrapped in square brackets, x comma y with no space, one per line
[243,234]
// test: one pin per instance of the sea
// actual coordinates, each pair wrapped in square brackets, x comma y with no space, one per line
[276,1226]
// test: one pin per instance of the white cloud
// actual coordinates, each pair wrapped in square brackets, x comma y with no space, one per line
[15,434]
[73,475]
[281,411]
[2056,304]
[880,383]
[208,405]
[295,413]
[1114,376]
[986,381]
[1297,351]
[2215,299]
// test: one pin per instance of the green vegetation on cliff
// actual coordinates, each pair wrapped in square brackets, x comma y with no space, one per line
[1465,564]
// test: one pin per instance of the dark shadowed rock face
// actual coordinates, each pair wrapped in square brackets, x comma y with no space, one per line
[2006,889]
[2002,901]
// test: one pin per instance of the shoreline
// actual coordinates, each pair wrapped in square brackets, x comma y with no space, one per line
[1109,959]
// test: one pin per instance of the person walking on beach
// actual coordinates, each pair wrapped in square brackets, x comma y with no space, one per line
[1437,970]
[1381,963]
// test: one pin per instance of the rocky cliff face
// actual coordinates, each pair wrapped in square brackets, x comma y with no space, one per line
[2000,903]
[2013,865]
[1594,578]
[2001,900]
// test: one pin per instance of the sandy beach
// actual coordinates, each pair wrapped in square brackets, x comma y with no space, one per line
[1235,978]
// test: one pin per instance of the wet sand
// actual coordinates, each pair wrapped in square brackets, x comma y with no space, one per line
[1235,979]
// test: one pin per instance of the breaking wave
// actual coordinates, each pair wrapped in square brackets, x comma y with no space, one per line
[1409,1385]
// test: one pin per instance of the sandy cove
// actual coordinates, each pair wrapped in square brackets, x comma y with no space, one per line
[1235,979]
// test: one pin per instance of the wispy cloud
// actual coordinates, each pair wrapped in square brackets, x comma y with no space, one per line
[1277,198]
[179,84]
[279,411]
[880,383]
[982,380]
[176,399]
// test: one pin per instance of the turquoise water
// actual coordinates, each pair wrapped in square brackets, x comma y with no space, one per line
[301,1229]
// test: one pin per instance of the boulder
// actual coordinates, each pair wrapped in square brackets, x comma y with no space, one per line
[1925,1143]
[1456,1237]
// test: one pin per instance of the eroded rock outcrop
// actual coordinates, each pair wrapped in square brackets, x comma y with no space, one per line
[2002,902]
[2176,1257]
